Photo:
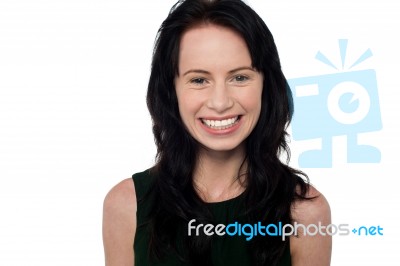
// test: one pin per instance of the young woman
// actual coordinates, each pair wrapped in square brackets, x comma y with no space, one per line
[220,106]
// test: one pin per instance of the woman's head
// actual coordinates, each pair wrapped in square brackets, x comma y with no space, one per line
[235,17]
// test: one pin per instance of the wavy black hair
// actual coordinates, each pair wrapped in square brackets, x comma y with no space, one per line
[271,185]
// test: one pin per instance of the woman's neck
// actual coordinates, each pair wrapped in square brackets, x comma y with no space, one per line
[220,175]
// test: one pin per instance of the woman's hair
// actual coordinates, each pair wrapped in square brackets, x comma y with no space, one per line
[271,186]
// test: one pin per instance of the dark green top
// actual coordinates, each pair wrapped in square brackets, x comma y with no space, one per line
[226,250]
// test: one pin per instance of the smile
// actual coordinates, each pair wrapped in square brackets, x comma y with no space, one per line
[221,124]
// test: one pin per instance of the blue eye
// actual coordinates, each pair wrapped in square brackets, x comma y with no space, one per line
[241,78]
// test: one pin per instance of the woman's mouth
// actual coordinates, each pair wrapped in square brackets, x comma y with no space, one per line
[220,124]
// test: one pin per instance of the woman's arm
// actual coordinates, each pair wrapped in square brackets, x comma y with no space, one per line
[119,224]
[308,250]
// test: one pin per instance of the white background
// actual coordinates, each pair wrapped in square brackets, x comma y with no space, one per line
[73,119]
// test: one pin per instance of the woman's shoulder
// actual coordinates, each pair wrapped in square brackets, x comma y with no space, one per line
[316,205]
[123,196]
[311,244]
[119,223]
[120,210]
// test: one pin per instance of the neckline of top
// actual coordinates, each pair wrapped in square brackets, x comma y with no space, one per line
[224,202]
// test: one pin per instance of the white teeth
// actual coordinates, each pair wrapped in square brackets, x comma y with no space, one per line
[220,124]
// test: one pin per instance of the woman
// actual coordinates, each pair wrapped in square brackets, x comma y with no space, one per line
[220,106]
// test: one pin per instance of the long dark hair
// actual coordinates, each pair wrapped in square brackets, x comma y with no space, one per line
[271,186]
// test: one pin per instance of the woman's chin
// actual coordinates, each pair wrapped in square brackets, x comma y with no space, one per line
[222,146]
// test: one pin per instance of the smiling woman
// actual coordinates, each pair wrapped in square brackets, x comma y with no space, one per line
[220,106]
[218,91]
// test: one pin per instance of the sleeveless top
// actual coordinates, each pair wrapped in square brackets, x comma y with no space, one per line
[225,250]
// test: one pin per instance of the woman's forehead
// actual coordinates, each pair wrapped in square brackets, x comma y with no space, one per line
[212,46]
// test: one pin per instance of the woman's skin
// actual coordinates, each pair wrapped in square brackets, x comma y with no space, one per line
[219,97]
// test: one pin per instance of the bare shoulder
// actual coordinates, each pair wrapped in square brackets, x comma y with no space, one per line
[315,208]
[121,197]
[312,245]
[119,223]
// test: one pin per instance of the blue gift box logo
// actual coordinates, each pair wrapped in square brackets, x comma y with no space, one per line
[344,103]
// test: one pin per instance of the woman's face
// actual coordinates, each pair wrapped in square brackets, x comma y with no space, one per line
[219,93]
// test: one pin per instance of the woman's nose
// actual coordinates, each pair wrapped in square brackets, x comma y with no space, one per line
[220,99]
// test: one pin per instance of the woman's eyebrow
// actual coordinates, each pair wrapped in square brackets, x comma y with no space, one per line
[241,68]
[196,71]
[207,72]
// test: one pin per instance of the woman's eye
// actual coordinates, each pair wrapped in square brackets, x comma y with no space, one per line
[198,81]
[241,78]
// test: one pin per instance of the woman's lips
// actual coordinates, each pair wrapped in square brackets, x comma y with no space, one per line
[222,125]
